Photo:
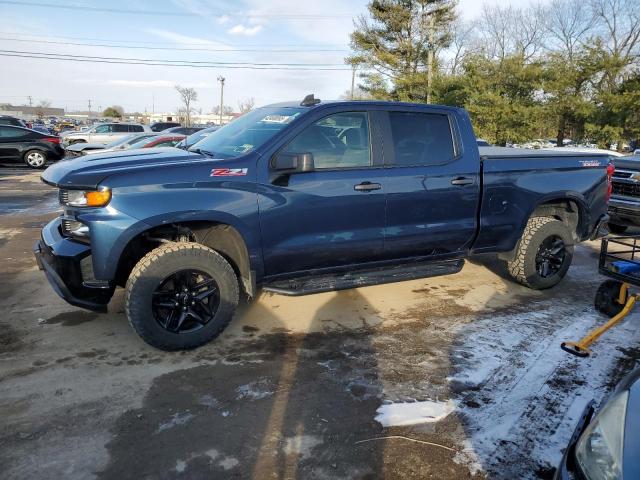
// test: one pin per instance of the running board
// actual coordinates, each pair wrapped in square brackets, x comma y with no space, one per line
[362,278]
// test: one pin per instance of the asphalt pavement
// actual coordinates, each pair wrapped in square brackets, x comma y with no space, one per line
[450,378]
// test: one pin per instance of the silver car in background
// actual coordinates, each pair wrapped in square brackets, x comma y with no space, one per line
[123,143]
[103,133]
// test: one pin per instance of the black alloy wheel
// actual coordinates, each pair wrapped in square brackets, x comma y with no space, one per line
[185,301]
[550,256]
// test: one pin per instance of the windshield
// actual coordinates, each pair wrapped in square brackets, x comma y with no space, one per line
[248,132]
[120,141]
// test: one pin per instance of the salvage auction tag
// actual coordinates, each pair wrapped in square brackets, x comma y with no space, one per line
[228,172]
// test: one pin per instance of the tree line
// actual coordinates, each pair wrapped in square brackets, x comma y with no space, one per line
[566,69]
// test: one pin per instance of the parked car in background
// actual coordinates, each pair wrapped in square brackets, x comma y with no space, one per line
[39,127]
[123,143]
[606,444]
[160,126]
[19,144]
[624,206]
[13,121]
[482,143]
[158,141]
[103,133]
[182,130]
[194,138]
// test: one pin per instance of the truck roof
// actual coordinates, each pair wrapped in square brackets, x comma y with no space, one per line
[326,103]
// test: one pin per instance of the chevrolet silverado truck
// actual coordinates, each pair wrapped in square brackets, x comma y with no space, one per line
[624,207]
[298,198]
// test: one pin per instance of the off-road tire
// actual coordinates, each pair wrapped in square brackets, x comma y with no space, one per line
[158,264]
[523,266]
[617,229]
[606,300]
[35,158]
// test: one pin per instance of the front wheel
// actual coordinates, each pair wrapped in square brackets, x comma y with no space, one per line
[543,254]
[35,158]
[181,295]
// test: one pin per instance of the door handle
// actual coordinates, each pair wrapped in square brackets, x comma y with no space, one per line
[367,186]
[462,181]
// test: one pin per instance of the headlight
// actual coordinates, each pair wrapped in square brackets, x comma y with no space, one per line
[599,450]
[85,198]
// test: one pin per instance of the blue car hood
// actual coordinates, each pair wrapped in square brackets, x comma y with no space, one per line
[88,171]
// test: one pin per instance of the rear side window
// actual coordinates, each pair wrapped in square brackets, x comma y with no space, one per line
[119,128]
[136,128]
[421,139]
[8,132]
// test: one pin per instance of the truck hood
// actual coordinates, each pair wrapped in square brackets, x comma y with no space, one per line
[88,171]
[631,163]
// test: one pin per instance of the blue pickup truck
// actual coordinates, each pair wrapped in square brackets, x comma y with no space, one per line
[298,198]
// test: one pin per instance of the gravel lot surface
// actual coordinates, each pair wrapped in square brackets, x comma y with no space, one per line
[462,374]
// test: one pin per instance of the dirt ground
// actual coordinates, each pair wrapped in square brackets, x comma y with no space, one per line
[293,387]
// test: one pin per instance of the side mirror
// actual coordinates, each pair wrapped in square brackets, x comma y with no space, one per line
[293,162]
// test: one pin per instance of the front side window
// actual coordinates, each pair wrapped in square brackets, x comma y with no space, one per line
[337,141]
[421,139]
[103,129]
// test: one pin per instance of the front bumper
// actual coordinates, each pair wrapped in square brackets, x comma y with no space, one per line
[67,265]
[624,211]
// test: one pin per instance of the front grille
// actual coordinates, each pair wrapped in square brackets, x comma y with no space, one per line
[63,196]
[623,174]
[626,189]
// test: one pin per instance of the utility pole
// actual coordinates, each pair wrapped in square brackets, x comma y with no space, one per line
[353,79]
[89,108]
[221,80]
[430,58]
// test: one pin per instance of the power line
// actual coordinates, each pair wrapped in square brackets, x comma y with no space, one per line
[195,62]
[160,63]
[130,41]
[231,50]
[284,16]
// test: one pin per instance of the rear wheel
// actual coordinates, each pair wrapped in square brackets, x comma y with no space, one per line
[607,296]
[181,295]
[35,158]
[618,229]
[543,254]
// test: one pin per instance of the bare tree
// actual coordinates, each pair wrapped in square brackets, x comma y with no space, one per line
[619,22]
[246,105]
[463,42]
[569,25]
[188,96]
[44,103]
[507,31]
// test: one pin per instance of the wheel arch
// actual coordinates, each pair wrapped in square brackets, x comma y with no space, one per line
[218,235]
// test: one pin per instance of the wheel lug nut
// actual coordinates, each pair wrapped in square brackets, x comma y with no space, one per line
[193,303]
[177,295]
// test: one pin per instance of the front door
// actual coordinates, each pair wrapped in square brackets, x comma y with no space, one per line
[433,187]
[102,134]
[333,215]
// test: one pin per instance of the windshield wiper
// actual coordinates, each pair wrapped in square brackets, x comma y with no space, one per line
[199,150]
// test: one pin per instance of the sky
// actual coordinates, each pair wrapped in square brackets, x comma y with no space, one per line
[250,31]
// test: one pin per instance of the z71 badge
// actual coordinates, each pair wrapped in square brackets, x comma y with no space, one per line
[228,172]
[590,163]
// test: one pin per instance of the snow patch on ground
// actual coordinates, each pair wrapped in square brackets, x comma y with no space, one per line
[402,414]
[255,390]
[176,420]
[301,445]
[521,392]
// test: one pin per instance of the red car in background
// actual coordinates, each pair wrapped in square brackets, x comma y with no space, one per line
[158,141]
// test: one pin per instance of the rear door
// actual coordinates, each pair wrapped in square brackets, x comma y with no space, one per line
[333,215]
[432,187]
